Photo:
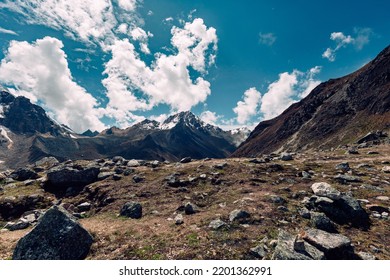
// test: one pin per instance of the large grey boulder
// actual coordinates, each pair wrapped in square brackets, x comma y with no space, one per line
[57,236]
[60,178]
[325,189]
[341,208]
[335,246]
[289,248]
[23,174]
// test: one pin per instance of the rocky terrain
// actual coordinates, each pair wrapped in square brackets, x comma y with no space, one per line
[332,204]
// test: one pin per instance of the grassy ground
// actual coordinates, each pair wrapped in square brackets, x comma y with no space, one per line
[240,185]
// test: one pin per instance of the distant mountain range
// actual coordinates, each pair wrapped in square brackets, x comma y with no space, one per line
[28,134]
[335,113]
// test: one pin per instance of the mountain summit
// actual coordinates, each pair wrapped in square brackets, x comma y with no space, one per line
[337,112]
[27,134]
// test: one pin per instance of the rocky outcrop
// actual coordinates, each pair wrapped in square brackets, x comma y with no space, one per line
[341,208]
[13,207]
[71,179]
[57,236]
[289,248]
[23,174]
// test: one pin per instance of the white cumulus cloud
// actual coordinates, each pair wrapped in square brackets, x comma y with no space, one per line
[288,89]
[362,37]
[249,106]
[40,71]
[209,117]
[87,20]
[132,85]
[128,5]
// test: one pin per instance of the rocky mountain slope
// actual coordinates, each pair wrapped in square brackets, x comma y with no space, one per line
[337,112]
[27,134]
[316,205]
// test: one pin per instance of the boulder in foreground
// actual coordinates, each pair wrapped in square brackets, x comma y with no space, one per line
[57,236]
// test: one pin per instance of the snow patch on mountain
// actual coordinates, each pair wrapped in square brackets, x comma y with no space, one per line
[170,122]
[3,109]
[4,138]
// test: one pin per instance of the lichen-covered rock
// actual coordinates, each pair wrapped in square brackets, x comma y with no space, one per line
[287,249]
[132,210]
[57,236]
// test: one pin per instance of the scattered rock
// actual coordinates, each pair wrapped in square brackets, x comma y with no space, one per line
[137,179]
[217,224]
[220,166]
[47,162]
[372,136]
[305,175]
[377,208]
[133,163]
[119,170]
[117,177]
[335,246]
[286,157]
[344,179]
[304,213]
[344,166]
[131,210]
[325,189]
[257,161]
[118,159]
[343,210]
[57,236]
[282,208]
[104,175]
[83,207]
[258,251]
[277,199]
[382,198]
[185,160]
[23,174]
[366,256]
[14,207]
[12,226]
[286,249]
[190,208]
[352,151]
[174,181]
[179,219]
[322,222]
[386,169]
[128,171]
[240,216]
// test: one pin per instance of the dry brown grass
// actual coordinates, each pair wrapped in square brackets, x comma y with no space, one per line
[244,185]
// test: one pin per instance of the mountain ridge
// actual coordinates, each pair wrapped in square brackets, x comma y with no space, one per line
[29,134]
[336,112]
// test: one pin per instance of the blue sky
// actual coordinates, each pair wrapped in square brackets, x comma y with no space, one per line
[98,63]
